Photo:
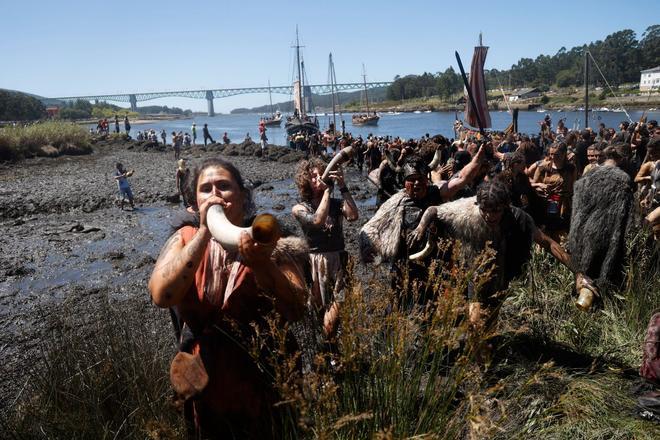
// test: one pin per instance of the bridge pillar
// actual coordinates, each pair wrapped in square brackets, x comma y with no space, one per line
[133,101]
[209,101]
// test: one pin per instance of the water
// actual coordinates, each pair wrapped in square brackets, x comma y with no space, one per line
[405,125]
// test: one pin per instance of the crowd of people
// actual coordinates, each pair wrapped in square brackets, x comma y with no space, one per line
[574,194]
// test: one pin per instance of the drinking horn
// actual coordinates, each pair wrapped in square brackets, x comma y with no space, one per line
[264,229]
[343,156]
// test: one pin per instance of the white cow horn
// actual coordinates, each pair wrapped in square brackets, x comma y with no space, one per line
[423,253]
[264,229]
[436,160]
[343,156]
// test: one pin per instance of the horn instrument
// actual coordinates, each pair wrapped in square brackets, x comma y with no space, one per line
[343,156]
[264,229]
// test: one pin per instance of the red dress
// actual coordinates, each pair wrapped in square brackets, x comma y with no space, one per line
[239,397]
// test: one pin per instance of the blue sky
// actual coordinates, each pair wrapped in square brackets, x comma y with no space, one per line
[64,48]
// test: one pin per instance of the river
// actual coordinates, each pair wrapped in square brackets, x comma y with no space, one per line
[406,125]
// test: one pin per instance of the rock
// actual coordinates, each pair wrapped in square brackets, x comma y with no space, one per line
[279,207]
[172,198]
[266,188]
[48,151]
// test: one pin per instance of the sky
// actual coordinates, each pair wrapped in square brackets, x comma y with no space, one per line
[73,48]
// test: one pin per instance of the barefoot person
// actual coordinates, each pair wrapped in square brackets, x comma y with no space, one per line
[320,217]
[125,193]
[223,297]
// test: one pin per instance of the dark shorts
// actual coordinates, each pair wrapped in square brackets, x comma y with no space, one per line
[126,193]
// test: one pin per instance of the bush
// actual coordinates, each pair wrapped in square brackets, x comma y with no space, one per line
[24,141]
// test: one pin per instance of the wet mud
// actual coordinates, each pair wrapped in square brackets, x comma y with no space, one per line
[65,240]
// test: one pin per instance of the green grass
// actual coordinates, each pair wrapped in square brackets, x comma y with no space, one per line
[26,141]
[545,371]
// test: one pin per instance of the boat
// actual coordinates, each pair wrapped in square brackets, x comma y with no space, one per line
[275,119]
[427,111]
[368,118]
[417,112]
[300,122]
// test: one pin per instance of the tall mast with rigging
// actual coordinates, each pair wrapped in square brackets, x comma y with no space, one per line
[333,81]
[270,98]
[300,76]
[366,94]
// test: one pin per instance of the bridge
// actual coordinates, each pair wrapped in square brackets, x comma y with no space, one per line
[209,95]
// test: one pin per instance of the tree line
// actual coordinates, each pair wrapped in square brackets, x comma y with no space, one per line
[81,109]
[16,106]
[620,56]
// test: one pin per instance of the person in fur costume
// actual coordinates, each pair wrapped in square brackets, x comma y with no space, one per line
[601,214]
[489,220]
[383,238]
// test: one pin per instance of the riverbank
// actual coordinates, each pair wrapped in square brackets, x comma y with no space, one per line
[75,265]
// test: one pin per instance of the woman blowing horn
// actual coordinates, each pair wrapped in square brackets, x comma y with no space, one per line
[223,297]
[320,217]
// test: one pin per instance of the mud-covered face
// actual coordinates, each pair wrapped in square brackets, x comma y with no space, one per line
[417,186]
[217,181]
[492,215]
[317,184]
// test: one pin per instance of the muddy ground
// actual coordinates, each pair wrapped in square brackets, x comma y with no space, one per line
[65,241]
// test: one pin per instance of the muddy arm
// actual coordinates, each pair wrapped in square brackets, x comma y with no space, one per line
[175,268]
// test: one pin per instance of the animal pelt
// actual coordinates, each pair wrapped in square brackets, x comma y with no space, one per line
[462,221]
[602,207]
[380,236]
[293,248]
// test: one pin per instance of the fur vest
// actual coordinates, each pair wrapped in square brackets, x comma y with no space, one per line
[601,214]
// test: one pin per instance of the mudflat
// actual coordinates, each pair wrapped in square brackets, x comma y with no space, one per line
[65,240]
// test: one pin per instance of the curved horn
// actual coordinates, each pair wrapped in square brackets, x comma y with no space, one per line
[264,229]
[343,156]
[423,253]
[436,160]
[391,163]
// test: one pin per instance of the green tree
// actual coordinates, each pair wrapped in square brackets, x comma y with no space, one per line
[448,83]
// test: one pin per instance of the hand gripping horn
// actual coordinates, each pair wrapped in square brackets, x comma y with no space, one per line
[343,156]
[390,161]
[436,160]
[264,229]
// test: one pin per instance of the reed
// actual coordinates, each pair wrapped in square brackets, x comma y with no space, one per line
[25,141]
[398,369]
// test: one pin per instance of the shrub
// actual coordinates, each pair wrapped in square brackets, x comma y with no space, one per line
[24,141]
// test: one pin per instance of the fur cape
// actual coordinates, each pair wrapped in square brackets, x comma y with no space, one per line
[380,237]
[602,213]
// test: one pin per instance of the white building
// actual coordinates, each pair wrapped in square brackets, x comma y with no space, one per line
[650,79]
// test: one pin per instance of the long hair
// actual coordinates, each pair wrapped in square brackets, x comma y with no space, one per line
[191,184]
[303,177]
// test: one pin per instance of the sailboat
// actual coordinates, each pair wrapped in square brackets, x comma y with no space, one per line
[300,122]
[367,118]
[275,117]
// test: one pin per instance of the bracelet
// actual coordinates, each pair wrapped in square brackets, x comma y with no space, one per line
[343,190]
